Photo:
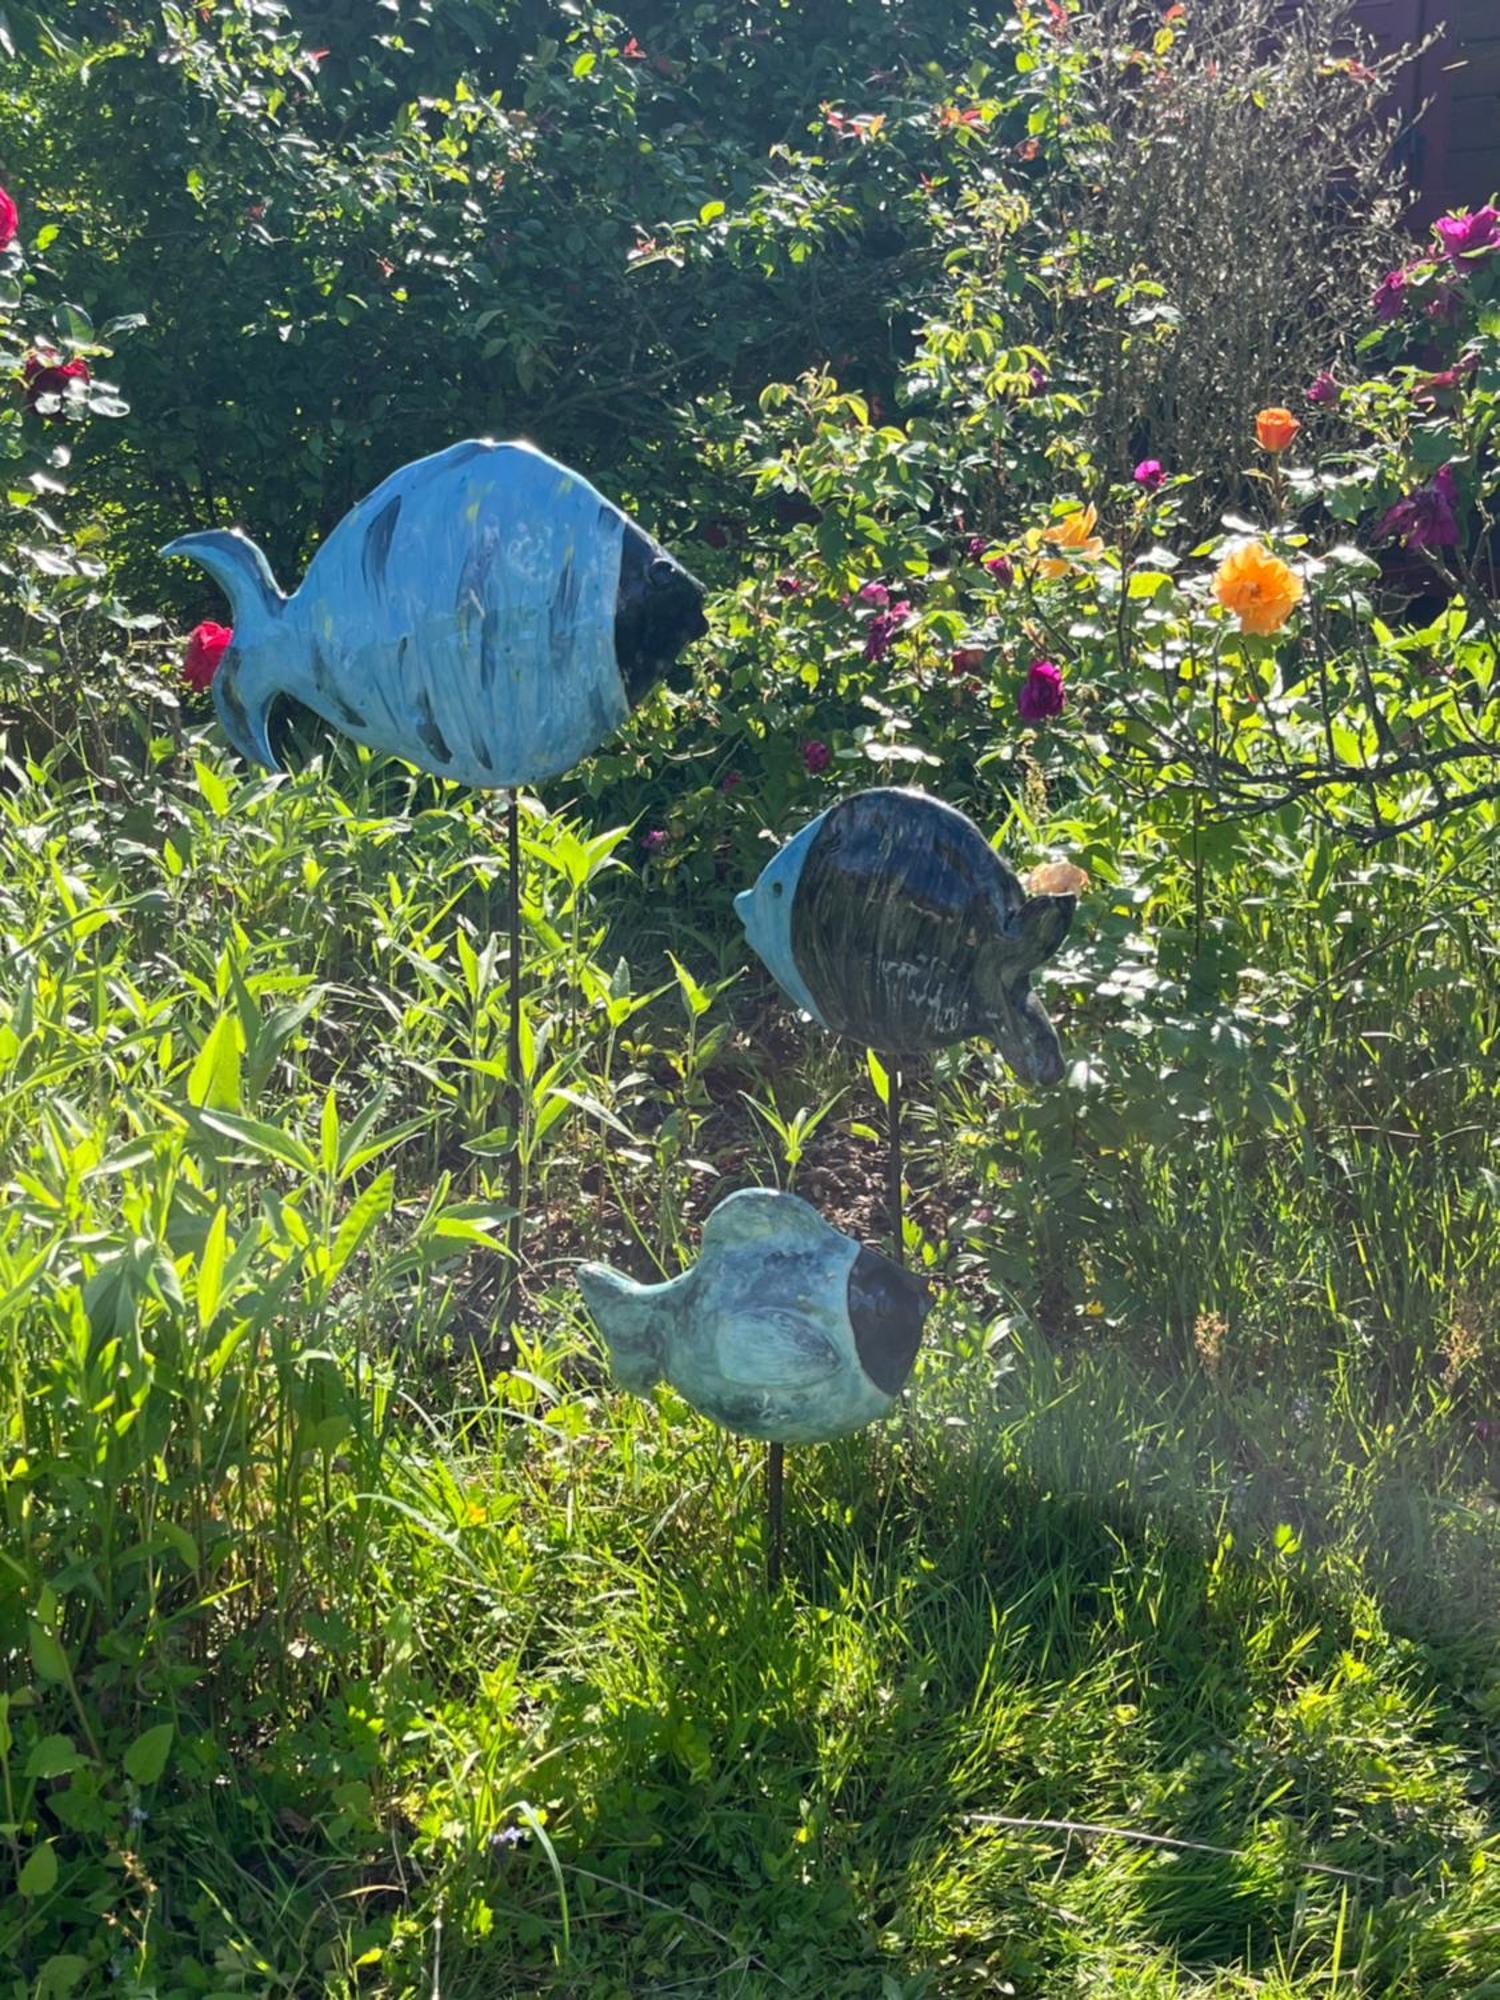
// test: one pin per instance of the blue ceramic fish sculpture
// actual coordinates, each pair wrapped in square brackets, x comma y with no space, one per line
[891,919]
[784,1329]
[484,614]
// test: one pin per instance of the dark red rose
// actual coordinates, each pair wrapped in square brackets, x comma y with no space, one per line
[206,646]
[46,373]
[815,757]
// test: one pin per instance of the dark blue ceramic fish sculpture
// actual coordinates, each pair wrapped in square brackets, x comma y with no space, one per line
[891,919]
[484,614]
[783,1329]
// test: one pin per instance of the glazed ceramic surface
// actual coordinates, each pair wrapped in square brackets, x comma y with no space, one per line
[891,919]
[484,614]
[784,1329]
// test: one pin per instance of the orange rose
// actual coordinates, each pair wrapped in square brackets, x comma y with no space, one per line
[1275,429]
[1073,536]
[1259,588]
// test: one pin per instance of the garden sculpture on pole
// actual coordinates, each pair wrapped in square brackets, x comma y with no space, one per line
[784,1329]
[485,614]
[890,919]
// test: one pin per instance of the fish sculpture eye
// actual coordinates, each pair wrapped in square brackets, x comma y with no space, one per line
[485,614]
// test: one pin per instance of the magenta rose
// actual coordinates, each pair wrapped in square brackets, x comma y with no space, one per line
[1428,518]
[1042,692]
[1463,235]
[10,220]
[1149,475]
[1390,295]
[1323,389]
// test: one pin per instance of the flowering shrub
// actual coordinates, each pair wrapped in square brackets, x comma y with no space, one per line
[51,580]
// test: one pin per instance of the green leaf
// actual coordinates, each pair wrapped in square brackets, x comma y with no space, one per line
[53,1757]
[215,1076]
[366,1212]
[268,1141]
[213,788]
[694,998]
[39,1874]
[878,1076]
[60,1976]
[211,1268]
[74,325]
[146,1758]
[328,1133]
[48,1659]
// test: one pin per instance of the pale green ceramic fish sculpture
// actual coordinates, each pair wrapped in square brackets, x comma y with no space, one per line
[784,1328]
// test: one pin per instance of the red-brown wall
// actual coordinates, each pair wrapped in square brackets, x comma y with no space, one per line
[1454,146]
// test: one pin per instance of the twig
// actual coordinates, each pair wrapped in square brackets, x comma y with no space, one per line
[1151,1840]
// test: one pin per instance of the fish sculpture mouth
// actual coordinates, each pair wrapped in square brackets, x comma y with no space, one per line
[658,613]
[1026,1037]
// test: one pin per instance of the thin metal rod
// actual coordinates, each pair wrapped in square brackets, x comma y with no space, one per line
[513,1061]
[894,1166]
[775,1511]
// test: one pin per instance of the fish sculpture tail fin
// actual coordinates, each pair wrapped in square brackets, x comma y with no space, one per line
[626,1315]
[1026,1038]
[245,685]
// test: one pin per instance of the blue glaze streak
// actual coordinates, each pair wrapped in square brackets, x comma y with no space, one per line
[462,617]
[766,912]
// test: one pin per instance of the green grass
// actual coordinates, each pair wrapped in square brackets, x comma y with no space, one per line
[340,1658]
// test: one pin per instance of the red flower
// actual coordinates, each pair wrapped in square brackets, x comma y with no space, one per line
[1002,569]
[45,373]
[790,586]
[815,757]
[966,659]
[10,221]
[1323,389]
[633,52]
[731,781]
[654,841]
[206,646]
